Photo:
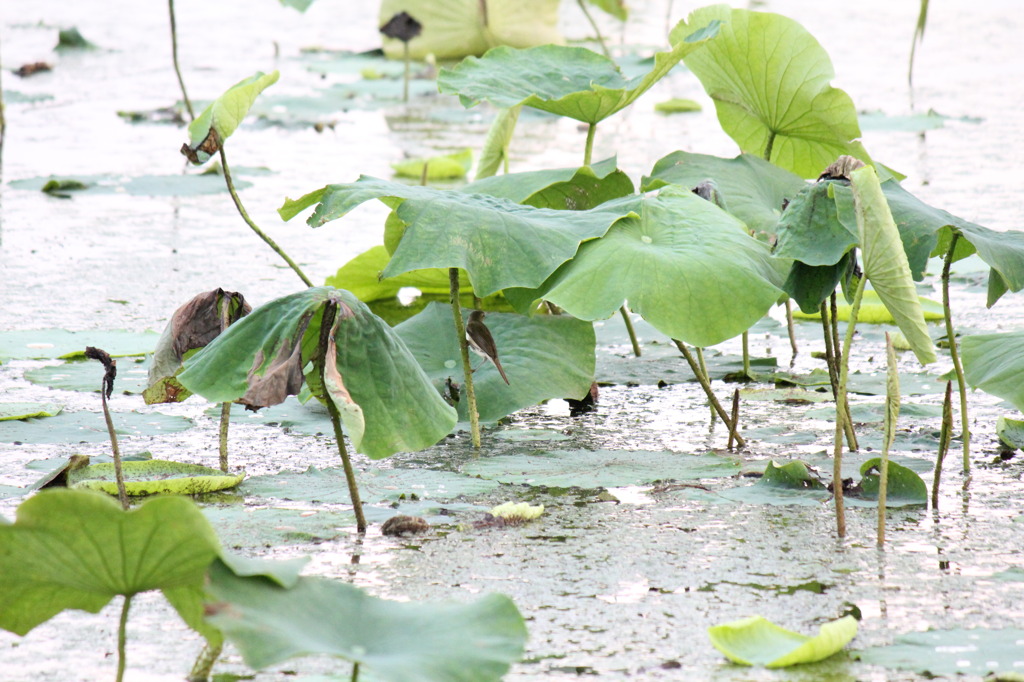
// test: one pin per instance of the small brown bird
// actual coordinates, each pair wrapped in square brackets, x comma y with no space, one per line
[481,341]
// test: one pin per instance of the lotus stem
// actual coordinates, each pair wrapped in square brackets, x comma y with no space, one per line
[204,663]
[122,636]
[225,419]
[629,330]
[892,406]
[734,425]
[405,78]
[460,333]
[768,146]
[791,329]
[704,372]
[841,414]
[593,24]
[355,672]
[248,221]
[174,58]
[746,356]
[958,368]
[706,385]
[922,20]
[588,151]
[833,376]
[326,322]
[106,388]
[945,433]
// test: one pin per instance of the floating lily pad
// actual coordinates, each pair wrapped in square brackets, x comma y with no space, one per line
[86,376]
[793,396]
[154,477]
[310,419]
[677,106]
[241,527]
[140,186]
[662,362]
[47,344]
[10,411]
[758,641]
[88,427]
[952,652]
[864,413]
[600,468]
[873,311]
[529,435]
[910,123]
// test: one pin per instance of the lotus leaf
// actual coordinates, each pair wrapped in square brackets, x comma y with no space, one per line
[153,477]
[361,276]
[758,641]
[216,123]
[9,411]
[995,364]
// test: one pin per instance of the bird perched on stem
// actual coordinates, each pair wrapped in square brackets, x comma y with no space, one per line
[481,341]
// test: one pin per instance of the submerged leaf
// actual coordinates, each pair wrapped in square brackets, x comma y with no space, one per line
[397,641]
[758,641]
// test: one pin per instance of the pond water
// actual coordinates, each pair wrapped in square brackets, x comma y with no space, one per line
[615,590]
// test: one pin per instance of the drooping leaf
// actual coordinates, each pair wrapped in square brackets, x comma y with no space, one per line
[769,79]
[395,640]
[545,357]
[495,151]
[9,411]
[905,486]
[758,641]
[453,229]
[811,231]
[792,475]
[216,123]
[995,364]
[567,81]
[71,549]
[518,187]
[153,477]
[401,409]
[690,269]
[885,263]
[443,167]
[457,28]
[192,326]
[753,189]
[350,412]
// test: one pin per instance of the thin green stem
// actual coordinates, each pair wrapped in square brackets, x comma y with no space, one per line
[174,57]
[892,404]
[593,24]
[791,329]
[326,324]
[945,434]
[841,414]
[460,333]
[122,636]
[746,356]
[588,151]
[734,424]
[122,493]
[833,374]
[704,372]
[768,146]
[629,330]
[225,419]
[355,672]
[204,663]
[405,79]
[706,385]
[248,221]
[955,354]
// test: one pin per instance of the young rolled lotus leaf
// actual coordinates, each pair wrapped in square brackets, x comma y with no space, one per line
[192,326]
[722,279]
[568,81]
[208,132]
[769,79]
[396,641]
[545,357]
[261,359]
[73,549]
[753,190]
[758,641]
[446,228]
[995,364]
[494,154]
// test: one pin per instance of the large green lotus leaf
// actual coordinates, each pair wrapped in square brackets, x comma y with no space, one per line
[87,376]
[73,549]
[599,468]
[753,189]
[769,79]
[1003,251]
[48,344]
[952,653]
[494,154]
[995,364]
[585,190]
[456,28]
[399,406]
[519,187]
[89,427]
[567,81]
[361,276]
[758,641]
[403,642]
[545,356]
[9,411]
[449,229]
[224,115]
[905,486]
[153,477]
[885,263]
[687,267]
[811,231]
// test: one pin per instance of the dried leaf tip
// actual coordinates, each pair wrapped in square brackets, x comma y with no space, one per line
[841,168]
[108,364]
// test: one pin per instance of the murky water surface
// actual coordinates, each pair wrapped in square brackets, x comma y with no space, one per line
[612,590]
